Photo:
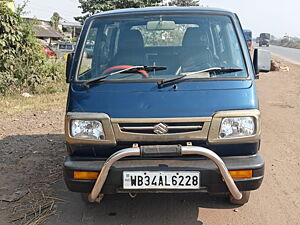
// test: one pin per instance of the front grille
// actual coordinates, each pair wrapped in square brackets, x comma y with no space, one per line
[161,130]
[172,127]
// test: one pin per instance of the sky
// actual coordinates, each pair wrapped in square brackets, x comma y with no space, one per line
[277,17]
[261,16]
[44,9]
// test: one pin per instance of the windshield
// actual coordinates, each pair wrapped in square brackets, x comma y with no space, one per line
[248,35]
[181,43]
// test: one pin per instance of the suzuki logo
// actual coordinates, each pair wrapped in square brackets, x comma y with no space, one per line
[160,128]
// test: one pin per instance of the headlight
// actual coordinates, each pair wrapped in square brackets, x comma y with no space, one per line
[87,129]
[237,127]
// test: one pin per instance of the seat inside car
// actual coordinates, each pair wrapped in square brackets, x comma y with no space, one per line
[195,54]
[130,49]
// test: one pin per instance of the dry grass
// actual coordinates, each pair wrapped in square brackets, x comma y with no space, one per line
[44,102]
[40,201]
[38,204]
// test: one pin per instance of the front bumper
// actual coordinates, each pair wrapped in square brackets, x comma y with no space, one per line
[214,171]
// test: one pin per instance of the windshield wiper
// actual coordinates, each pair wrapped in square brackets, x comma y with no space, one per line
[216,70]
[133,69]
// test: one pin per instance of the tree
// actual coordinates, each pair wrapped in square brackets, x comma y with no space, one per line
[55,20]
[90,7]
[23,66]
[184,3]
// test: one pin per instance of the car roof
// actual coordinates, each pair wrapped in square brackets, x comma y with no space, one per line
[164,9]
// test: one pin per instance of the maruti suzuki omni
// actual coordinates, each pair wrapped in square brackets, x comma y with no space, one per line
[163,100]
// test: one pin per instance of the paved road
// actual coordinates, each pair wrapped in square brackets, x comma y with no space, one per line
[290,54]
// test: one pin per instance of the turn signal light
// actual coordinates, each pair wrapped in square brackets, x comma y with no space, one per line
[85,175]
[238,174]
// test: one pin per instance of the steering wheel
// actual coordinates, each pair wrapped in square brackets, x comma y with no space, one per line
[122,67]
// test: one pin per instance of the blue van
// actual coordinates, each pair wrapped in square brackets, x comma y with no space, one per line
[164,102]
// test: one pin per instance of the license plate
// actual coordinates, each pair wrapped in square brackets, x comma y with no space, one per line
[161,180]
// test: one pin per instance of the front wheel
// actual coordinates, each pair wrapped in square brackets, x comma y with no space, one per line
[242,201]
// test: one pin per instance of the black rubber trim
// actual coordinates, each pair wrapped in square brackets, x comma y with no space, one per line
[160,150]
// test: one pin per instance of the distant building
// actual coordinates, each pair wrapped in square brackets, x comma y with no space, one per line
[67,31]
[70,30]
[286,38]
[44,31]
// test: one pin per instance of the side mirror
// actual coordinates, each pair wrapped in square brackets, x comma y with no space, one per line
[69,66]
[261,61]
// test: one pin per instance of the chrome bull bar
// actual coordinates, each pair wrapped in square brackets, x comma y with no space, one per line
[96,196]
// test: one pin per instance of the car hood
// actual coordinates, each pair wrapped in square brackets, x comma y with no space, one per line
[146,100]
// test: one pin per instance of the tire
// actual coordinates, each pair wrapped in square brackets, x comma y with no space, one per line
[242,201]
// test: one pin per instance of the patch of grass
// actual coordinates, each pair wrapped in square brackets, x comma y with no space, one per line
[17,104]
[51,87]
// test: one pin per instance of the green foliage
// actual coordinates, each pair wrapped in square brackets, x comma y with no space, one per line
[184,3]
[55,20]
[90,7]
[5,1]
[23,66]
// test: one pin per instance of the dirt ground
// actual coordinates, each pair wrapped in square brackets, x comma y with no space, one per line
[32,152]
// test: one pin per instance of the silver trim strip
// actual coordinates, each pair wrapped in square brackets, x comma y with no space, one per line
[105,169]
[169,128]
[158,120]
[190,150]
[186,150]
